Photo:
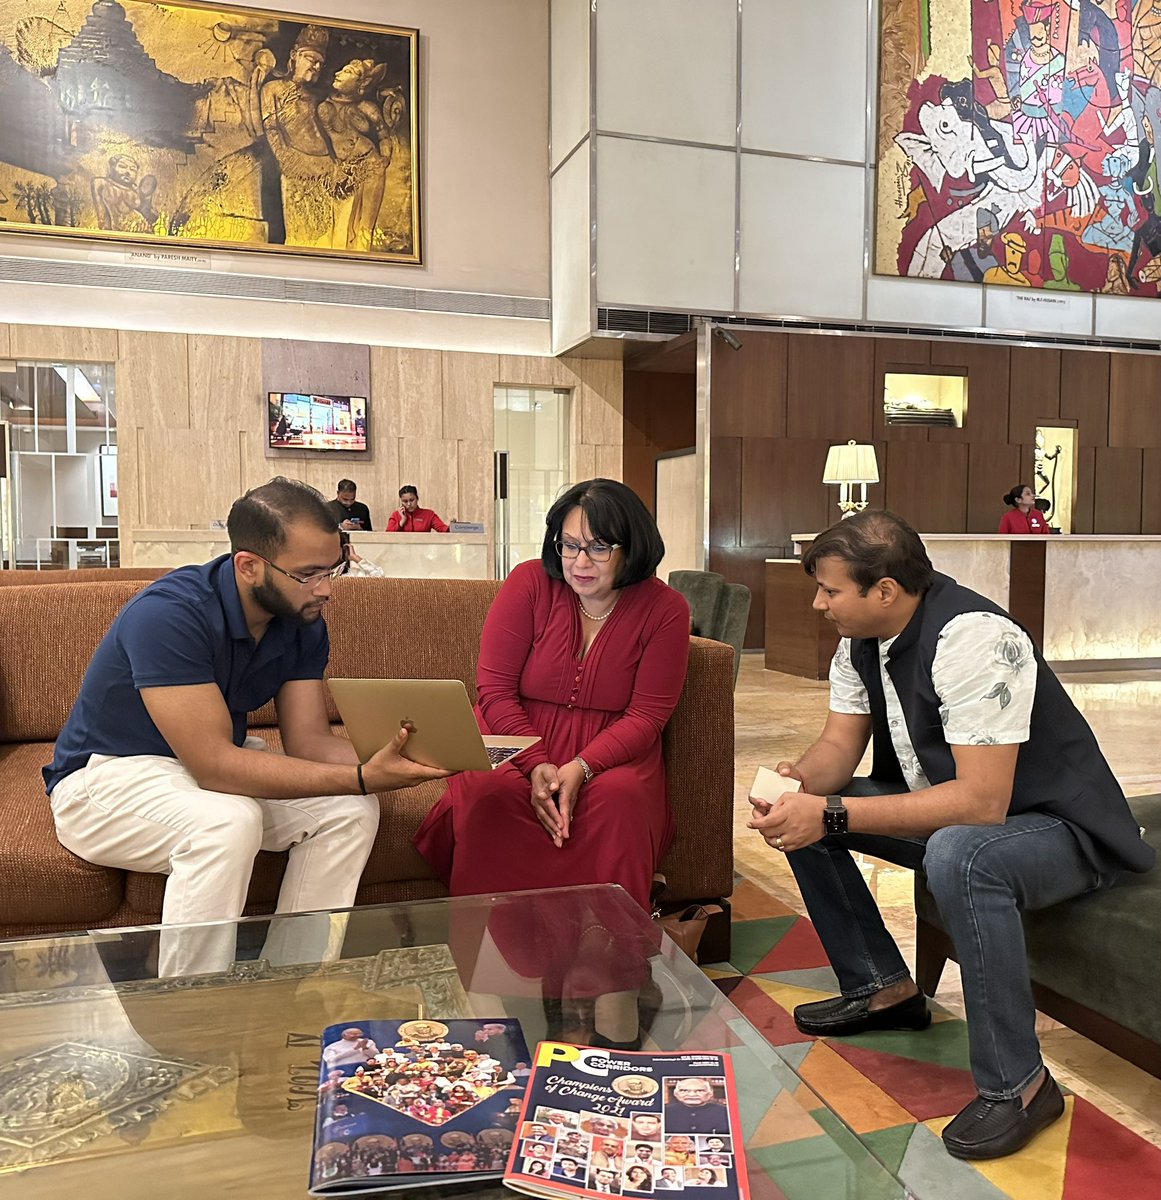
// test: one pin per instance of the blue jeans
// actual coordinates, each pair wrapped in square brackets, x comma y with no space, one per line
[982,878]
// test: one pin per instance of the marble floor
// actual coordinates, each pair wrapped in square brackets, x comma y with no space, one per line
[778,716]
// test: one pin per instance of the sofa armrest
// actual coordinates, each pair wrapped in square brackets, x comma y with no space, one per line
[698,744]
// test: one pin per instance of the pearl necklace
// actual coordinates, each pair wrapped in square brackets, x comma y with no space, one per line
[585,612]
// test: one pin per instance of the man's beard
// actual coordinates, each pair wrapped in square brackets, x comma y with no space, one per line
[269,598]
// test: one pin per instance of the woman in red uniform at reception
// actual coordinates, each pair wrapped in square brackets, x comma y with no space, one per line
[587,648]
[1023,516]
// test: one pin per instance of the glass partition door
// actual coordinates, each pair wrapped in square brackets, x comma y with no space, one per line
[531,468]
[62,443]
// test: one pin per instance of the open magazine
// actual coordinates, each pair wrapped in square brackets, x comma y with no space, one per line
[600,1122]
[405,1104]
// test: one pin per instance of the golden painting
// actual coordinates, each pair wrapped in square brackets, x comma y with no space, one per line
[187,124]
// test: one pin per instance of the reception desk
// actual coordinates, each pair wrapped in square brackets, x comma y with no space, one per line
[400,555]
[1085,598]
[799,641]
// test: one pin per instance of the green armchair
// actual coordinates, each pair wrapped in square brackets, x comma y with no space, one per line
[719,610]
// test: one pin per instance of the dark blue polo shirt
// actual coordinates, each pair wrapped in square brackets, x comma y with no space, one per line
[187,628]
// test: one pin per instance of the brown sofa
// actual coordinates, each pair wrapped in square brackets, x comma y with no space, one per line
[23,578]
[51,633]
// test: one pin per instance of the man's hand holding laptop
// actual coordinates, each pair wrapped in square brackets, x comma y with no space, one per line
[388,769]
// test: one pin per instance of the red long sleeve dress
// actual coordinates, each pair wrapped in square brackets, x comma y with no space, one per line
[609,707]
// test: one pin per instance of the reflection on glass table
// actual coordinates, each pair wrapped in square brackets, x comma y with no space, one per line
[114,1082]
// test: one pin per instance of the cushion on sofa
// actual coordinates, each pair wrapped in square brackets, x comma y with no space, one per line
[37,690]
[1101,950]
[446,614]
[40,881]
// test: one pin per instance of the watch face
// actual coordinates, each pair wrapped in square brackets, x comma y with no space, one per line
[834,819]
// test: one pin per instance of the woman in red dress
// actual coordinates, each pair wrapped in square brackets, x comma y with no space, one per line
[587,649]
[1024,516]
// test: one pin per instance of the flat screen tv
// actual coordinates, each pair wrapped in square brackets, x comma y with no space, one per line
[304,422]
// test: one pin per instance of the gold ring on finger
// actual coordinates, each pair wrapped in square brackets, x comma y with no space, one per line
[778,843]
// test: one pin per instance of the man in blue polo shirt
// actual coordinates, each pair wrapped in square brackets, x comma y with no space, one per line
[154,771]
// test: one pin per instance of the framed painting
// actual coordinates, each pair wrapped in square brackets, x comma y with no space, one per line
[197,125]
[1017,143]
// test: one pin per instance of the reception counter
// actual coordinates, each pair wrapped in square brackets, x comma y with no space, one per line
[1086,598]
[400,555]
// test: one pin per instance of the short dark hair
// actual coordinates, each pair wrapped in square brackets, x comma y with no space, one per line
[615,514]
[346,485]
[258,520]
[1015,493]
[875,544]
[409,487]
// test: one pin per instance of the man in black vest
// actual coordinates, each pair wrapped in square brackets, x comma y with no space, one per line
[984,774]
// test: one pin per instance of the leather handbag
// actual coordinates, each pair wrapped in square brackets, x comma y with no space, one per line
[687,926]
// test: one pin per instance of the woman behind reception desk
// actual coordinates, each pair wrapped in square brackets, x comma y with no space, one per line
[1023,515]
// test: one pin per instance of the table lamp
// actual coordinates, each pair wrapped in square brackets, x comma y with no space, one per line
[849,465]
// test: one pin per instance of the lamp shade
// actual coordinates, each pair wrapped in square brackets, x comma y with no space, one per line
[851,464]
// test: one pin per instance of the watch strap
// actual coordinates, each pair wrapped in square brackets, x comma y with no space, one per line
[834,818]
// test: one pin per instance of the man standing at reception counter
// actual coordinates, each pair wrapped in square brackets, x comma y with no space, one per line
[349,512]
[410,518]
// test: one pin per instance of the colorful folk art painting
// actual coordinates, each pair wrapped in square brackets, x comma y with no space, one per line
[186,124]
[1017,143]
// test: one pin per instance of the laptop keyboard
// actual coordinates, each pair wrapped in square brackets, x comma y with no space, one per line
[499,754]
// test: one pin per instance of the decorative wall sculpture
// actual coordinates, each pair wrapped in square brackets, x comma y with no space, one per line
[180,123]
[1017,143]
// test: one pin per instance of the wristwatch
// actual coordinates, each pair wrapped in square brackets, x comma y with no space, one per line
[584,766]
[834,819]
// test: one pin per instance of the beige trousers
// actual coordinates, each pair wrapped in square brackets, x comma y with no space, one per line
[146,813]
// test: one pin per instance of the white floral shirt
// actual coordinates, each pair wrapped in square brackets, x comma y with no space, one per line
[984,673]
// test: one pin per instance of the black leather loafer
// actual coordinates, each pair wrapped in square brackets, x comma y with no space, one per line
[846,1015]
[994,1128]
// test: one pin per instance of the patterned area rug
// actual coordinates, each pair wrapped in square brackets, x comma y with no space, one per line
[898,1090]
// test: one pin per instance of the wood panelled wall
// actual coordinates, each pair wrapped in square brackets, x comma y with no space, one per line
[660,415]
[777,404]
[192,422]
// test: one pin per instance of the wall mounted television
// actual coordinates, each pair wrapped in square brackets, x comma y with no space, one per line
[312,423]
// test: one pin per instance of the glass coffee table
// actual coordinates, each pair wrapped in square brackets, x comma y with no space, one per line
[114,1082]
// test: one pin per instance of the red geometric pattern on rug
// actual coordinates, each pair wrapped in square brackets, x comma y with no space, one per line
[1106,1159]
[926,1090]
[768,1017]
[798,950]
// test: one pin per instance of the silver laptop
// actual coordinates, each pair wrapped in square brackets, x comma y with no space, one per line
[446,733]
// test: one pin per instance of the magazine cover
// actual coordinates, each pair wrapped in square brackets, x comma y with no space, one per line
[404,1104]
[610,1123]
